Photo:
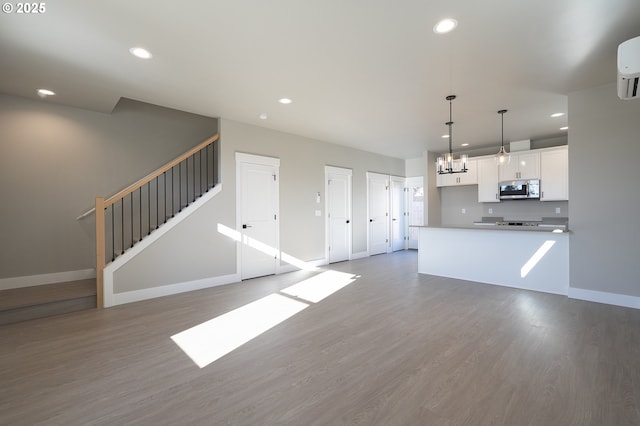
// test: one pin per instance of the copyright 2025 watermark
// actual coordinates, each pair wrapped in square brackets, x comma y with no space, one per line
[24,8]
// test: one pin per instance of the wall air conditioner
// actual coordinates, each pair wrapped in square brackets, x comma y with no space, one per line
[629,69]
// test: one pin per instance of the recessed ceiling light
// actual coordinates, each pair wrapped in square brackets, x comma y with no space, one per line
[465,144]
[564,128]
[557,114]
[140,52]
[445,136]
[285,101]
[263,116]
[43,93]
[444,26]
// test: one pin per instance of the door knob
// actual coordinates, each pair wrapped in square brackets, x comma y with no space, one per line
[370,220]
[245,226]
[348,221]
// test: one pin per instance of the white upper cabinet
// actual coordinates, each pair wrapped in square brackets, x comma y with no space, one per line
[488,178]
[525,165]
[457,179]
[554,174]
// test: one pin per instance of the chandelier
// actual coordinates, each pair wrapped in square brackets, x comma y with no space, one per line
[445,163]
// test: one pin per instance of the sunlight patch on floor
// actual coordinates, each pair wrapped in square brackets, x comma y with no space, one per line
[318,287]
[215,338]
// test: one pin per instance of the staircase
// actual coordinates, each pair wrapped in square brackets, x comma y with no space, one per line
[122,221]
[22,304]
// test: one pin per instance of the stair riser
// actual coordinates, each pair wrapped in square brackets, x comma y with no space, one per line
[47,309]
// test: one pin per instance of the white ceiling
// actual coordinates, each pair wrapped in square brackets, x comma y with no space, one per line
[370,74]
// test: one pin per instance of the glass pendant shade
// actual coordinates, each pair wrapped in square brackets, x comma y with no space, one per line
[502,157]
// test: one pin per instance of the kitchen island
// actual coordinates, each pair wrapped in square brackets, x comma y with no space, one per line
[532,259]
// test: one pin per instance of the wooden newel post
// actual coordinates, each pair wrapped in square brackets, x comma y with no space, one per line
[100,262]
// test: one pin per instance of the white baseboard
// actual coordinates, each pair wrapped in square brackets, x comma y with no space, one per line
[43,279]
[110,298]
[281,269]
[604,297]
[359,255]
[170,289]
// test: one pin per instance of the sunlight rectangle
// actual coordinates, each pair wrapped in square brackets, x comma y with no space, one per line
[537,256]
[215,338]
[318,287]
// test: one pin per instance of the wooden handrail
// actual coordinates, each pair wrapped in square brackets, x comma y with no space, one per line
[129,189]
[102,204]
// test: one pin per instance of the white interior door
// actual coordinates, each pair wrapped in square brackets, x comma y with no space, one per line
[338,208]
[397,213]
[378,212]
[415,208]
[258,215]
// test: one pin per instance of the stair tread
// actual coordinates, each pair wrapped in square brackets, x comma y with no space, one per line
[41,294]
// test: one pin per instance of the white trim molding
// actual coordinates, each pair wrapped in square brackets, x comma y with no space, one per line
[359,255]
[110,298]
[170,289]
[43,279]
[604,297]
[310,264]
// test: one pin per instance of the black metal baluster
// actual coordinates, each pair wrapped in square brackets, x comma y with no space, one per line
[122,225]
[180,187]
[173,192]
[200,171]
[149,207]
[207,158]
[157,203]
[113,235]
[186,178]
[131,207]
[164,178]
[193,172]
[140,214]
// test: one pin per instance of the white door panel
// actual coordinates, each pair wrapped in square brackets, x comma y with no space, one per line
[258,220]
[397,214]
[415,208]
[378,213]
[339,214]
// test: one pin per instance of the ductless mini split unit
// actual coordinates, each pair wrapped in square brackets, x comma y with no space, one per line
[629,69]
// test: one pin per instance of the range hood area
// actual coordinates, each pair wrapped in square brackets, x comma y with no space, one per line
[546,223]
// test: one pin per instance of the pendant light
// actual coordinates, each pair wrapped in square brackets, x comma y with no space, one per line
[445,163]
[502,157]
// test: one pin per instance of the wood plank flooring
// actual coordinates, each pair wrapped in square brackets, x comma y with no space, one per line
[392,348]
[22,304]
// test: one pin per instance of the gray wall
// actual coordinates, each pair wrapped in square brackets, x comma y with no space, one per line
[54,161]
[454,199]
[302,164]
[415,166]
[195,250]
[605,199]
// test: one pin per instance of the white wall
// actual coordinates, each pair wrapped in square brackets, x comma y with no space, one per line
[604,179]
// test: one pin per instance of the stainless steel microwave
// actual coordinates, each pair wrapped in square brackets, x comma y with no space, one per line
[520,189]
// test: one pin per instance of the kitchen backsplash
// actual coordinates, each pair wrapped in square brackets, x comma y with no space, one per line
[460,207]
